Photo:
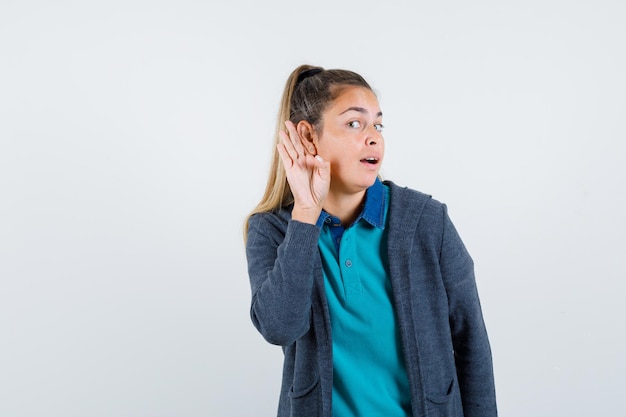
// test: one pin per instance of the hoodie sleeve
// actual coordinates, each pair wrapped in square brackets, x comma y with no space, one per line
[469,335]
[281,259]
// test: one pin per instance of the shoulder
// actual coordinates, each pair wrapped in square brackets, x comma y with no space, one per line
[269,224]
[404,199]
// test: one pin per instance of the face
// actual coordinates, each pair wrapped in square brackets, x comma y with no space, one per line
[351,139]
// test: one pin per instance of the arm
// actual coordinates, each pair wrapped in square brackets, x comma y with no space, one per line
[281,267]
[469,335]
[281,252]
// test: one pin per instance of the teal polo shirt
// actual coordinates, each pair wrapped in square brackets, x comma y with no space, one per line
[369,376]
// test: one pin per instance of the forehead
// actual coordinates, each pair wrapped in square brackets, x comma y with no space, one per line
[357,97]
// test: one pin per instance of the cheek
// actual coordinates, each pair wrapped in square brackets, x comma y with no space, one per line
[329,147]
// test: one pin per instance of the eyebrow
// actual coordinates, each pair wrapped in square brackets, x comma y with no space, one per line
[360,110]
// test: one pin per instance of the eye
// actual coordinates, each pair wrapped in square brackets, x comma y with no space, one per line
[379,127]
[355,124]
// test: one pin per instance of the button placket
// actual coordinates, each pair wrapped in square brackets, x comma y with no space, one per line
[349,272]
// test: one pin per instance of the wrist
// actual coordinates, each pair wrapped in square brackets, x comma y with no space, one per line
[306,215]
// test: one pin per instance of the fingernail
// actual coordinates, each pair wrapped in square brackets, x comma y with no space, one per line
[319,158]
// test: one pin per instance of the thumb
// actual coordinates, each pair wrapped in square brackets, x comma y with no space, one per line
[323,166]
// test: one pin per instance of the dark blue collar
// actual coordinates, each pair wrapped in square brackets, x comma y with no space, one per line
[373,209]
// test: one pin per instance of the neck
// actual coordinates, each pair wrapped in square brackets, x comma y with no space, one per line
[345,206]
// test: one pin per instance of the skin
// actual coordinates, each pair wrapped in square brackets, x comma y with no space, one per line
[329,169]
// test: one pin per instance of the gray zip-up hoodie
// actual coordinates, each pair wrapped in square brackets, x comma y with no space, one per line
[444,340]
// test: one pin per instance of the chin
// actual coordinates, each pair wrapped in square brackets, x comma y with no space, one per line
[367,182]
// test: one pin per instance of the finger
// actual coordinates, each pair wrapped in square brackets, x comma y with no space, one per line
[284,155]
[307,147]
[287,144]
[295,137]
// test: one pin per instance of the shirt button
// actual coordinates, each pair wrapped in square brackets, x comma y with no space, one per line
[348,263]
[328,220]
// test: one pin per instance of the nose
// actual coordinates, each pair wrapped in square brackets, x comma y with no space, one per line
[373,136]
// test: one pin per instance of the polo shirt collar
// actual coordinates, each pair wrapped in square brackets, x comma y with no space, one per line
[373,210]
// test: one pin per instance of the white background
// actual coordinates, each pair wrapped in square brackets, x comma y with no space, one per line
[135,136]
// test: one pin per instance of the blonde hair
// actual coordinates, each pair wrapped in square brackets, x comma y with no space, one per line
[309,90]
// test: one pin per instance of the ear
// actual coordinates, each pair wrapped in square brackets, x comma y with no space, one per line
[307,134]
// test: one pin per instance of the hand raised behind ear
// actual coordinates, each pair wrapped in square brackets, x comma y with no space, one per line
[308,175]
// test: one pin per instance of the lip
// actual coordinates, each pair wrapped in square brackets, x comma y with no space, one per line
[371,161]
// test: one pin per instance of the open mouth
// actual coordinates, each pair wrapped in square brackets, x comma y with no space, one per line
[372,161]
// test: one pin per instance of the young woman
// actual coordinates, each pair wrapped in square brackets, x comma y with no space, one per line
[366,285]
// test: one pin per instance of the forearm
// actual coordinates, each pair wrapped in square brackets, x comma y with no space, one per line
[472,353]
[469,335]
[282,280]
